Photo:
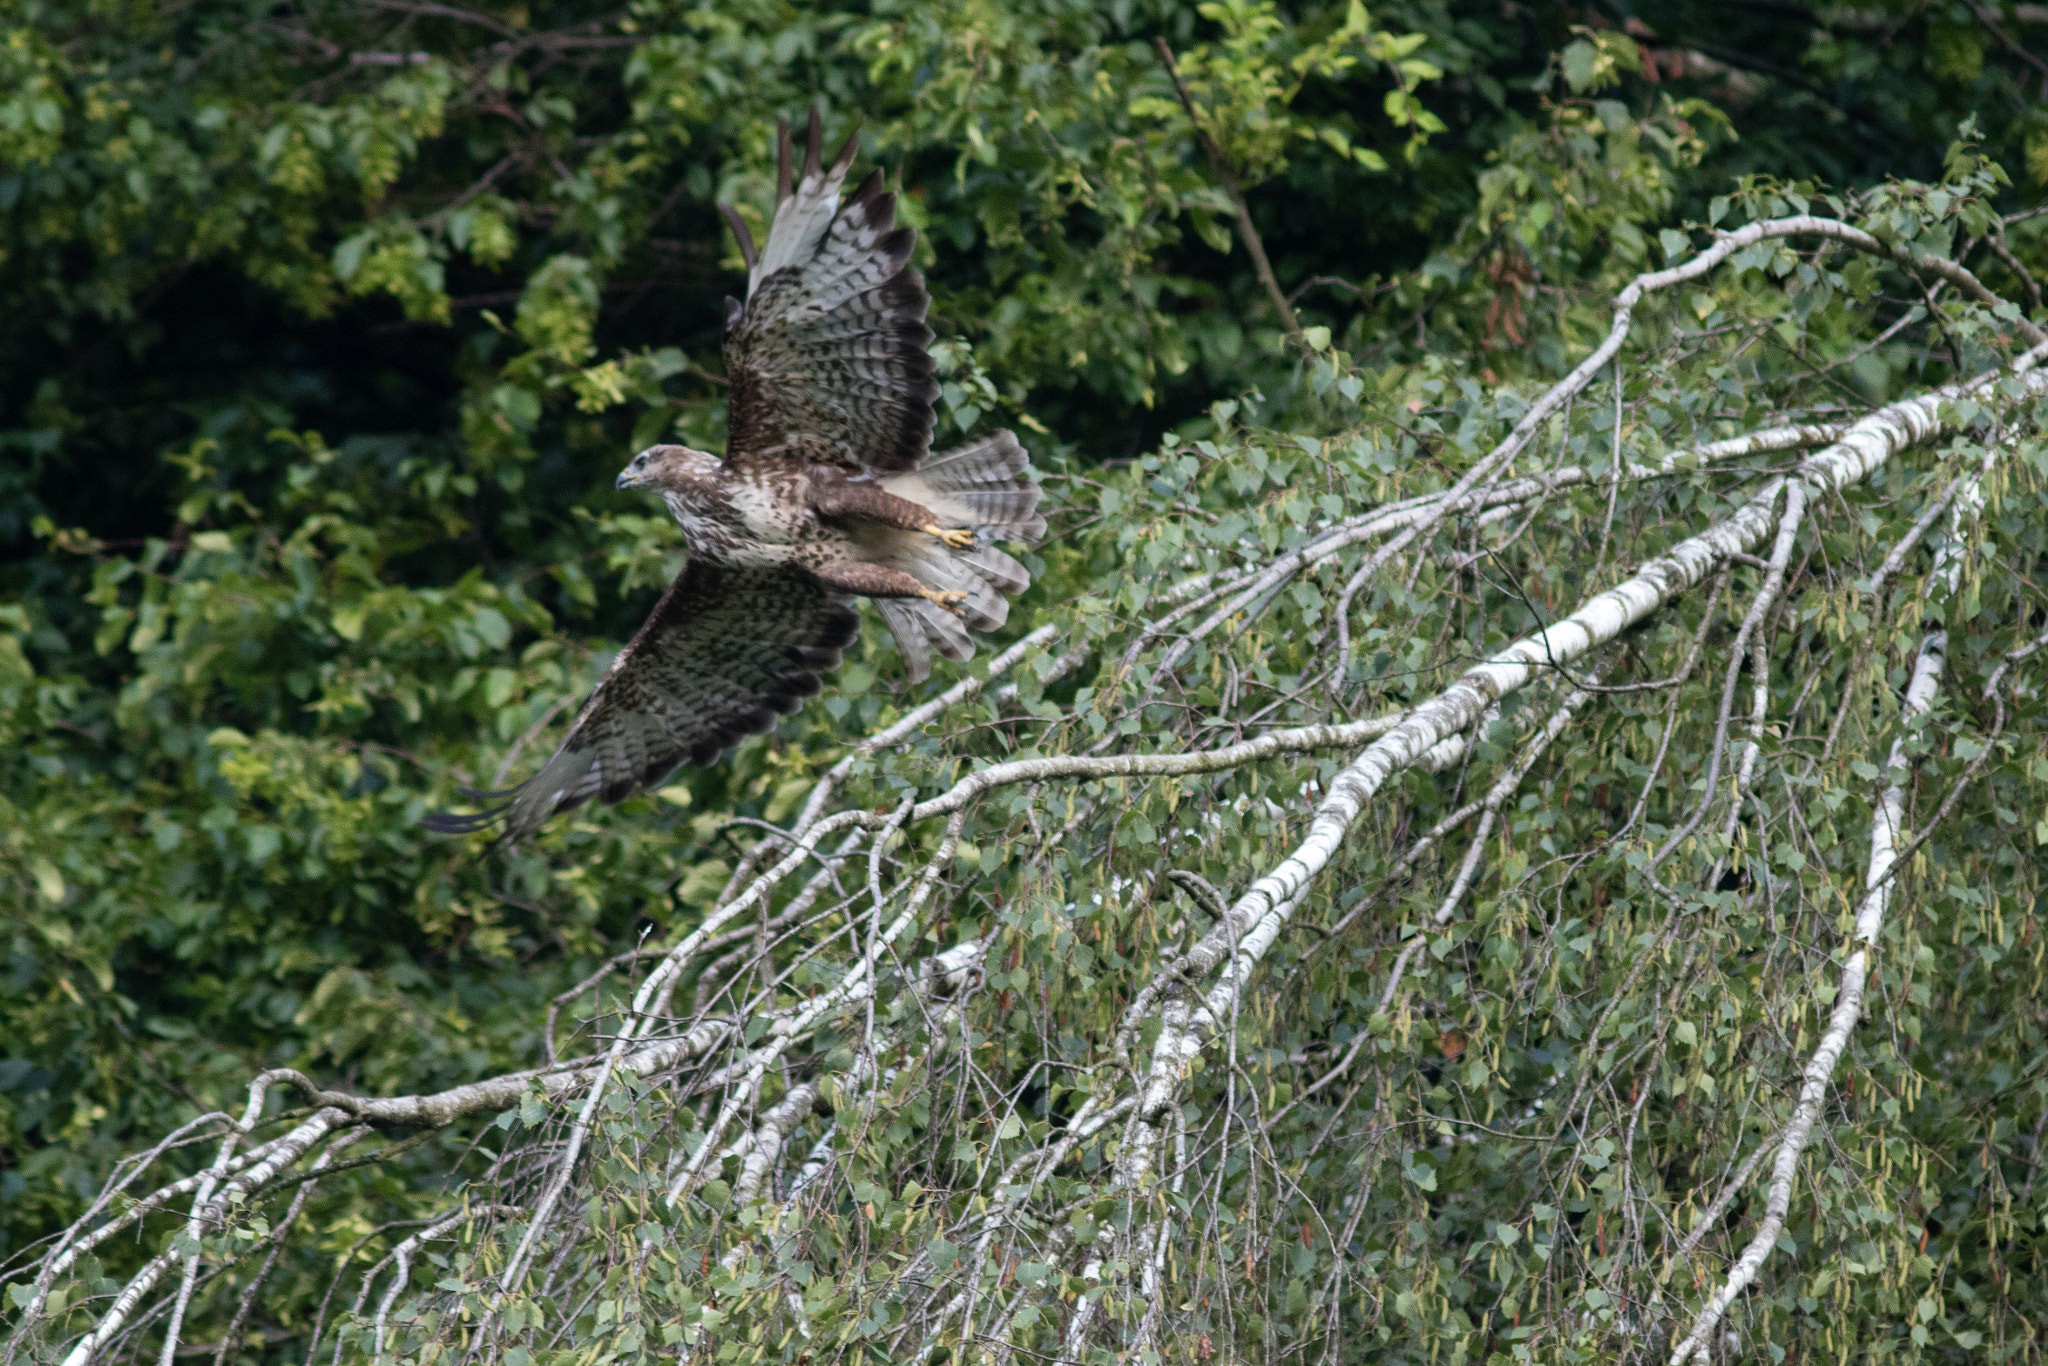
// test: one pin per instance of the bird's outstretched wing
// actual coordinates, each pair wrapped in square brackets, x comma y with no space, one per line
[724,654]
[827,358]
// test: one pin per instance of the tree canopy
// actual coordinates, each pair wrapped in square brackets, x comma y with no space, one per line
[1339,984]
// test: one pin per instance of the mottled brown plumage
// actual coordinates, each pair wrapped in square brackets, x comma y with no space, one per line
[827,492]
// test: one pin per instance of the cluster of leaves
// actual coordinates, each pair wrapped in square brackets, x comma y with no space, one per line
[323,332]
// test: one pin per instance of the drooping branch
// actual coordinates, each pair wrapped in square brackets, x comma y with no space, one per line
[1256,920]
[1886,823]
[1880,886]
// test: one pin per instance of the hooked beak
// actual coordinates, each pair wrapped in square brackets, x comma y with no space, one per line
[630,480]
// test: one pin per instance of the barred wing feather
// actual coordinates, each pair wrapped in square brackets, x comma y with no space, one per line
[725,653]
[827,358]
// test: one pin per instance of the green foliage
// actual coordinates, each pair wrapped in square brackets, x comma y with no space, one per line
[323,331]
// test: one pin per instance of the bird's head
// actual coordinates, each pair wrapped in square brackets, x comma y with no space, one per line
[669,469]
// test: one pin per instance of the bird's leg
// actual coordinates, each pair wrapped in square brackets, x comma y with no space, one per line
[832,494]
[880,581]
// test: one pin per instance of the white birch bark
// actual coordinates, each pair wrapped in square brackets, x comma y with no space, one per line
[1496,501]
[1886,823]
[1259,915]
[205,1212]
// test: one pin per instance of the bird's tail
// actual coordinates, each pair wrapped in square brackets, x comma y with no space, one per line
[983,485]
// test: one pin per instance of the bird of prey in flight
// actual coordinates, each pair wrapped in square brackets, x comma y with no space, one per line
[827,491]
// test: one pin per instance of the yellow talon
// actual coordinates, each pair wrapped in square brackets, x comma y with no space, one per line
[959,538]
[949,600]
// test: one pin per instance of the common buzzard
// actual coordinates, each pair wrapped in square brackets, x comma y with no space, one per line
[827,492]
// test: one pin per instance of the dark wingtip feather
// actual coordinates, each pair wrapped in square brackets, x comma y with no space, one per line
[840,629]
[869,199]
[457,823]
[904,293]
[740,231]
[484,794]
[814,134]
[848,151]
[897,246]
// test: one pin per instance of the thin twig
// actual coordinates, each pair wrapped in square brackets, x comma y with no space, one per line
[1246,233]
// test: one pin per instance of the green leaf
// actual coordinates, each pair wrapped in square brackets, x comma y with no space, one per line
[1580,61]
[49,882]
[492,626]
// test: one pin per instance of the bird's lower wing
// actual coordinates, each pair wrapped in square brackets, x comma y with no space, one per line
[725,653]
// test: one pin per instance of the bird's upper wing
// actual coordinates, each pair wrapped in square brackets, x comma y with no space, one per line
[827,358]
[725,653]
